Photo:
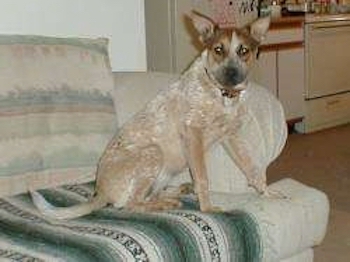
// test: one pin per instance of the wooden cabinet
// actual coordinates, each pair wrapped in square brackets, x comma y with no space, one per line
[282,72]
[264,71]
[280,68]
[291,79]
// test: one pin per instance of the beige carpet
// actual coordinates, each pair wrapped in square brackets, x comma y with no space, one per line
[322,160]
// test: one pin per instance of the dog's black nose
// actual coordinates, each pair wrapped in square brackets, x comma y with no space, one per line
[233,76]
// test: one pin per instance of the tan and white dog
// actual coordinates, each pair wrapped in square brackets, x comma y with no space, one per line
[174,130]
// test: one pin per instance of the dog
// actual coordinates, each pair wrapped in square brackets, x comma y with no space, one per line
[177,127]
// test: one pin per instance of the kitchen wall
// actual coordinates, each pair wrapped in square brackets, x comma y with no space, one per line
[122,21]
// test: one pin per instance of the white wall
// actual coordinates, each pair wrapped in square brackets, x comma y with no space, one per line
[122,21]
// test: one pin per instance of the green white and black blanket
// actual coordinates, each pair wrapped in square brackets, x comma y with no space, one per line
[112,235]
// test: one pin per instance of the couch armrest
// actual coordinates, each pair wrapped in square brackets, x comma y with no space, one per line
[287,226]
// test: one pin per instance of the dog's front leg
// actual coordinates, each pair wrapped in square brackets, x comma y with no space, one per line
[194,146]
[238,152]
[255,174]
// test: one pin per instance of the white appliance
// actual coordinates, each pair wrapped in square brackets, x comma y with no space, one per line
[327,92]
[328,60]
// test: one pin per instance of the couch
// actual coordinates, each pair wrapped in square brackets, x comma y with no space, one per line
[60,104]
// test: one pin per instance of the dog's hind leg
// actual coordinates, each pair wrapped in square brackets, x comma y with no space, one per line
[146,176]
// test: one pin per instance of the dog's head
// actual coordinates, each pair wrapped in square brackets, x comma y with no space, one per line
[230,52]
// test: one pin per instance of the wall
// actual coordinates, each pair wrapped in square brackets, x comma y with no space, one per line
[122,21]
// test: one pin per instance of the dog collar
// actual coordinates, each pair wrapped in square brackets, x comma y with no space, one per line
[231,92]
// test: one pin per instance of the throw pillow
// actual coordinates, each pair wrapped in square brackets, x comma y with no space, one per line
[56,110]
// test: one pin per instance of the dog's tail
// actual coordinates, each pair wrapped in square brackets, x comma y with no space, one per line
[53,212]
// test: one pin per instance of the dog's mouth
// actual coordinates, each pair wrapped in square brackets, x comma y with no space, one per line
[233,90]
[230,93]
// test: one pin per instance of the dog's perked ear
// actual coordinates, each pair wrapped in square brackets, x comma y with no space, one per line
[204,26]
[259,28]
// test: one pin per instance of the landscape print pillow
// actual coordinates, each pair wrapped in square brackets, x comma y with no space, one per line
[56,110]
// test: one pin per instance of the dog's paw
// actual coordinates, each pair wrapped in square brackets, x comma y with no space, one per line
[211,209]
[259,183]
[271,193]
[215,209]
[154,205]
[186,189]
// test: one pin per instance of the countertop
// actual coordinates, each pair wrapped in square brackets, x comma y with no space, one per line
[286,22]
[314,18]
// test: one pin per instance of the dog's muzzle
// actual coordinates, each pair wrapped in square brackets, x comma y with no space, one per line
[232,76]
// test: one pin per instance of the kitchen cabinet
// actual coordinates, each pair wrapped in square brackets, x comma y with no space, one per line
[291,79]
[264,71]
[280,68]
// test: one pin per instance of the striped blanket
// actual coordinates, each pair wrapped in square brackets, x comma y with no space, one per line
[114,235]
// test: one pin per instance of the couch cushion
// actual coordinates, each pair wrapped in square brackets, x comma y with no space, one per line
[111,234]
[56,110]
[135,89]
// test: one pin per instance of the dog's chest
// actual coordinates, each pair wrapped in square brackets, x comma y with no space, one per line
[224,123]
[208,110]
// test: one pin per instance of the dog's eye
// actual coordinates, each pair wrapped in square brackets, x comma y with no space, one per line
[243,51]
[219,49]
